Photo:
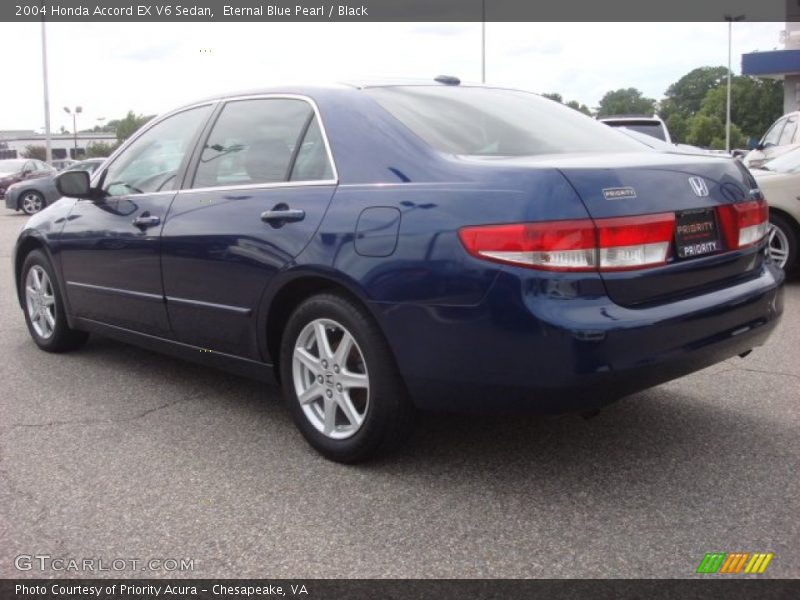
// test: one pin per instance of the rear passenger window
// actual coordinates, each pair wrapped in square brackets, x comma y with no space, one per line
[312,162]
[262,141]
[788,132]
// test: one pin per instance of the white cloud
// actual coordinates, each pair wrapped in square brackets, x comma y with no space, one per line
[110,68]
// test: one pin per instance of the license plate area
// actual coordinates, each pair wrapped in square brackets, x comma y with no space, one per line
[696,233]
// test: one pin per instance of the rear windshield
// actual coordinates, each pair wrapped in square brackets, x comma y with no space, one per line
[651,128]
[493,122]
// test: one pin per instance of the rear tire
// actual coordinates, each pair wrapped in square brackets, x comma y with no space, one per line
[783,242]
[354,403]
[43,306]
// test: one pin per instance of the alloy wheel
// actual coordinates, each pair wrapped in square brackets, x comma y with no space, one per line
[32,203]
[778,246]
[40,302]
[330,378]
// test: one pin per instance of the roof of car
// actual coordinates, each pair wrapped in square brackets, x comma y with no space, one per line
[337,86]
[630,118]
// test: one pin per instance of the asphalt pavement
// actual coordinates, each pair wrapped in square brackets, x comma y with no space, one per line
[115,453]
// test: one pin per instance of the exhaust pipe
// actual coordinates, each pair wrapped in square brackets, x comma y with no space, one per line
[743,354]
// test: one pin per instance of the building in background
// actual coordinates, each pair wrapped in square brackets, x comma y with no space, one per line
[781,64]
[14,142]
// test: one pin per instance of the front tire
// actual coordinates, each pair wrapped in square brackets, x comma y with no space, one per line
[340,380]
[43,306]
[31,202]
[782,242]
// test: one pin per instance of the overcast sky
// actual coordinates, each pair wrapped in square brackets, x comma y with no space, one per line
[110,68]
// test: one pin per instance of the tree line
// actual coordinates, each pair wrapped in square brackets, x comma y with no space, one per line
[694,107]
[123,129]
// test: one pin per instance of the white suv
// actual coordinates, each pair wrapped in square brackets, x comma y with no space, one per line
[784,135]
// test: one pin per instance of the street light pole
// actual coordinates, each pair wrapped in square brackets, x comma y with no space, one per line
[74,113]
[730,21]
[483,41]
[48,145]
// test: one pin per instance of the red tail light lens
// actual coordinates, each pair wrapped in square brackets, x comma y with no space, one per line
[577,245]
[744,223]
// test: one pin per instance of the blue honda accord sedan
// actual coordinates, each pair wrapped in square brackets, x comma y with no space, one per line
[378,249]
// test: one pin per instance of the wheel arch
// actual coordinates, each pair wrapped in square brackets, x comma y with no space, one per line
[786,215]
[21,194]
[288,293]
[27,244]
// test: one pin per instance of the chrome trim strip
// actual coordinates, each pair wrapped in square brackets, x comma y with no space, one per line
[255,186]
[239,310]
[116,291]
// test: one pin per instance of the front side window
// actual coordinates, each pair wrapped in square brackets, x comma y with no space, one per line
[151,163]
[495,122]
[262,141]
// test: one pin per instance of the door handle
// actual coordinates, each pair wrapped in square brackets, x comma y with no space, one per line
[281,214]
[146,220]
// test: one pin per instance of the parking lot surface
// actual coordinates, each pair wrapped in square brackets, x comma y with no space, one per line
[113,452]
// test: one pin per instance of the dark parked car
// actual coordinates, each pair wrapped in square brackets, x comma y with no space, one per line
[13,170]
[32,195]
[377,249]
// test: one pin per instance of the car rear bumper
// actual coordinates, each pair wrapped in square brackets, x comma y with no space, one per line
[522,349]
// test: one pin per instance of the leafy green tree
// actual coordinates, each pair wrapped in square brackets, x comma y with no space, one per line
[755,104]
[708,131]
[130,124]
[37,152]
[554,96]
[100,149]
[678,127]
[685,96]
[625,101]
[579,107]
[572,103]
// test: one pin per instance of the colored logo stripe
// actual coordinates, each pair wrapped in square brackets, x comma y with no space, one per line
[758,563]
[732,563]
[711,562]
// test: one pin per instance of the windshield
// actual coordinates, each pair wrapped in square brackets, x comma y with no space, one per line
[493,122]
[10,166]
[786,163]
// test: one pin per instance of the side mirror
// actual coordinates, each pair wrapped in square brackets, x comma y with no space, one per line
[74,184]
[759,146]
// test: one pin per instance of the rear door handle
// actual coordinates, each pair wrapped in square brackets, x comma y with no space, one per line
[146,220]
[281,213]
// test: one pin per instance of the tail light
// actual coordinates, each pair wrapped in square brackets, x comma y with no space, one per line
[744,223]
[577,245]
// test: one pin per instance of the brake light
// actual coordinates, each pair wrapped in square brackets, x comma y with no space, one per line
[577,245]
[744,223]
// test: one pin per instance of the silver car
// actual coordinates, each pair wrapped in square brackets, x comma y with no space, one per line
[32,195]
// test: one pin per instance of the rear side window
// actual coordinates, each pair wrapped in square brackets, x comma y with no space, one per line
[268,140]
[494,122]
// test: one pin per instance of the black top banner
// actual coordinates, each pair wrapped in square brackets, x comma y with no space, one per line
[400,10]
